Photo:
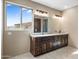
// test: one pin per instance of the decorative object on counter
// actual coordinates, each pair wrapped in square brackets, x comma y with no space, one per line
[60,31]
[40,45]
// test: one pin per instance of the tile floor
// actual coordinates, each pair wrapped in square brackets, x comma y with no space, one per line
[62,53]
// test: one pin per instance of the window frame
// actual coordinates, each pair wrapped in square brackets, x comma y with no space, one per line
[22,6]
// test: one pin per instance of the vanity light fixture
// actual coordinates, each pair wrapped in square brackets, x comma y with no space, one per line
[57,16]
[41,13]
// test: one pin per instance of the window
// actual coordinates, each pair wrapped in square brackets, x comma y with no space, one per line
[27,18]
[13,15]
[18,17]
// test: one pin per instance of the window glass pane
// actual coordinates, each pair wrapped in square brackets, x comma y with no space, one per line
[26,18]
[13,16]
[45,25]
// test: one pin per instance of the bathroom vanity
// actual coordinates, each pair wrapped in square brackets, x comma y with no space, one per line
[40,44]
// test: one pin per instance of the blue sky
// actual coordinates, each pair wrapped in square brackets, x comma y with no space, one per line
[14,13]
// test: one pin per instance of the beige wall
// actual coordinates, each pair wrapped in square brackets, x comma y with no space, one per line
[18,42]
[70,25]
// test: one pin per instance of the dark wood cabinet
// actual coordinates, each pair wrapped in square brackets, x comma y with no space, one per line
[41,45]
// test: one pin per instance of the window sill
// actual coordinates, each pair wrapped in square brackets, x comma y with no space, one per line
[18,29]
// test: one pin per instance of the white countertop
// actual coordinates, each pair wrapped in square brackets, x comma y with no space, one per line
[43,35]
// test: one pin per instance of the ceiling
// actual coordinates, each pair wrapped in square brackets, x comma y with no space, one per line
[58,4]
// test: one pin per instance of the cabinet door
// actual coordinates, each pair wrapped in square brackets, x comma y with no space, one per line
[33,40]
[43,44]
[49,43]
[38,46]
[65,39]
